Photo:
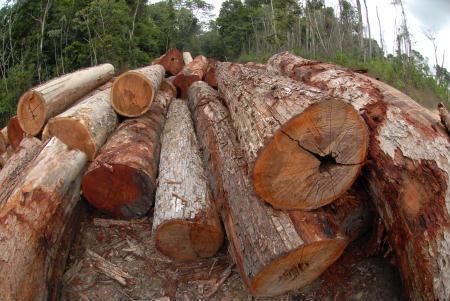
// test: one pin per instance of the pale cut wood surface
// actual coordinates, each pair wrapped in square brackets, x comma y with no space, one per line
[85,126]
[33,222]
[133,92]
[187,57]
[186,224]
[40,103]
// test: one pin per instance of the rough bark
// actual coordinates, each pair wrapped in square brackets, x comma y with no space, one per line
[122,179]
[33,222]
[275,251]
[192,72]
[305,149]
[445,117]
[4,142]
[187,58]
[210,76]
[408,174]
[168,87]
[134,91]
[15,132]
[172,61]
[186,225]
[41,103]
[85,126]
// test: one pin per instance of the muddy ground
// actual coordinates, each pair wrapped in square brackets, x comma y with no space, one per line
[119,262]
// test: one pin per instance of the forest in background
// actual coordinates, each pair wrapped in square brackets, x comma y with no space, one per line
[42,39]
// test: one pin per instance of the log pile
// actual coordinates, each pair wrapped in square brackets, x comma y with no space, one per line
[294,159]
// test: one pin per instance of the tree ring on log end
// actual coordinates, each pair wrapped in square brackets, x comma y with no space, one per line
[314,158]
[31,112]
[298,268]
[187,240]
[73,134]
[120,190]
[132,94]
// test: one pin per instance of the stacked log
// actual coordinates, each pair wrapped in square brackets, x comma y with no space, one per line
[172,61]
[186,225]
[34,216]
[85,126]
[15,132]
[187,58]
[210,76]
[133,92]
[167,86]
[41,103]
[408,174]
[275,251]
[192,72]
[445,117]
[304,148]
[122,179]
[4,142]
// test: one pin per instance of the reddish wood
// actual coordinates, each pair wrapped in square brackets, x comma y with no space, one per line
[172,61]
[274,251]
[408,175]
[210,76]
[122,179]
[15,132]
[445,116]
[192,72]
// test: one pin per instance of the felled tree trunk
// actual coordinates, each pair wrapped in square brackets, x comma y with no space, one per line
[408,174]
[4,142]
[33,223]
[15,132]
[41,103]
[210,76]
[85,126]
[187,57]
[168,87]
[186,225]
[134,91]
[445,117]
[192,72]
[274,251]
[172,61]
[305,149]
[122,179]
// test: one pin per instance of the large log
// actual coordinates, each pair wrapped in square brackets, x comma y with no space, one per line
[186,225]
[33,223]
[122,179]
[408,174]
[275,251]
[187,58]
[85,126]
[133,92]
[305,149]
[41,103]
[172,61]
[4,142]
[192,72]
[15,132]
[210,76]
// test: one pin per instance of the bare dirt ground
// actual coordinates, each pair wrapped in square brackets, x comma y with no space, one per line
[116,260]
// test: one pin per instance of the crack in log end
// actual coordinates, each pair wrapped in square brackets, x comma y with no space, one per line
[314,158]
[31,112]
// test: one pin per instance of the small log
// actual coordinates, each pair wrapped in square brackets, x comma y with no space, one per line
[408,175]
[85,126]
[34,221]
[187,58]
[305,149]
[15,132]
[445,116]
[275,251]
[41,103]
[108,269]
[210,76]
[134,91]
[186,225]
[122,179]
[172,61]
[192,72]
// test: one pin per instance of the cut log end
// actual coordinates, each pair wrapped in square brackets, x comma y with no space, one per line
[74,134]
[31,112]
[183,82]
[188,240]
[120,190]
[298,268]
[132,94]
[314,158]
[173,61]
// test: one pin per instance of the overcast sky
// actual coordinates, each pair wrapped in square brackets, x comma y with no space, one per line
[422,15]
